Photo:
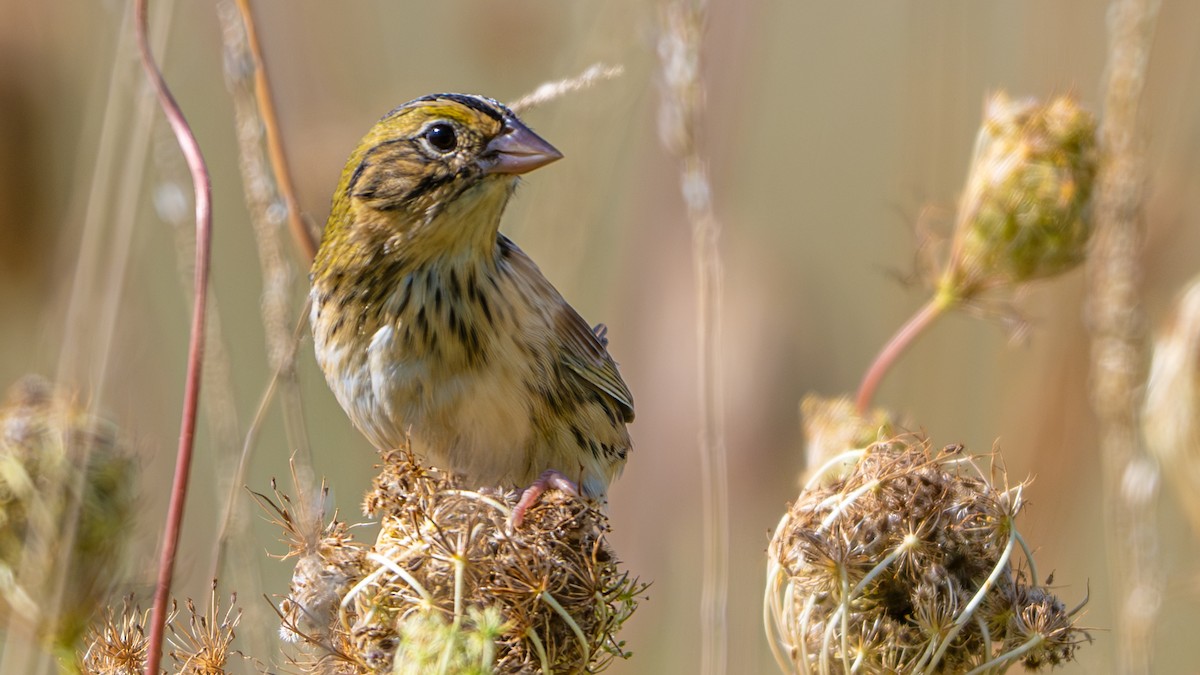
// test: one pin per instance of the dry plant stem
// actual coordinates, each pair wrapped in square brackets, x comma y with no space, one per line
[305,238]
[264,190]
[1118,349]
[191,396]
[549,91]
[680,122]
[899,343]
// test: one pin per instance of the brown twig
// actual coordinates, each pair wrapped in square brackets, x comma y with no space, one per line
[305,238]
[1118,345]
[191,396]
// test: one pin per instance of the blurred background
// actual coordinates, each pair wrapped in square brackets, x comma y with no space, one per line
[836,131]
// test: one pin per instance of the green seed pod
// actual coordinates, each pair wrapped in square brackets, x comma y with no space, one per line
[1025,212]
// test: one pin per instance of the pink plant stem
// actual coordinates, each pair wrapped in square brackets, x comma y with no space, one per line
[897,345]
[191,394]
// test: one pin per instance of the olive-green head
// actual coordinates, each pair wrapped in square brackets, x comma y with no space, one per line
[440,154]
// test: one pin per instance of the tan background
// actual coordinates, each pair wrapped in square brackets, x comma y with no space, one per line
[834,129]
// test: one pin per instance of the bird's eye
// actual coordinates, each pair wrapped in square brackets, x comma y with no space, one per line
[442,137]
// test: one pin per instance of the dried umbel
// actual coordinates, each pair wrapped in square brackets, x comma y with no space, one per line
[118,643]
[906,564]
[450,586]
[66,505]
[1024,214]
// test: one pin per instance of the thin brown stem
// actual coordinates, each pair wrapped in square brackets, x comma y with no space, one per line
[191,395]
[304,237]
[895,347]
[1118,344]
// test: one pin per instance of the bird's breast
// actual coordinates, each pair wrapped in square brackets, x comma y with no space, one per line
[442,361]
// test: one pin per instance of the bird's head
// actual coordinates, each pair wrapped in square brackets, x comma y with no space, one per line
[437,170]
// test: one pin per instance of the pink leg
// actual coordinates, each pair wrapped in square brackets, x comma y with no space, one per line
[550,479]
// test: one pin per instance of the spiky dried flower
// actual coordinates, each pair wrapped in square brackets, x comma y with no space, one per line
[1024,214]
[117,644]
[205,645]
[66,504]
[905,564]
[449,580]
[328,562]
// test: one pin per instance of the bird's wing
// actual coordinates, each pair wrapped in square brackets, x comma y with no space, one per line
[585,356]
[584,353]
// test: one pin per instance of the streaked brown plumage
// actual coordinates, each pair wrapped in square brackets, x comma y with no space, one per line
[432,326]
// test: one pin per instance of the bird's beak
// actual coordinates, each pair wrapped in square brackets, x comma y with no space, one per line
[517,150]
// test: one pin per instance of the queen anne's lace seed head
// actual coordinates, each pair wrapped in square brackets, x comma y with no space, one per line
[450,582]
[907,563]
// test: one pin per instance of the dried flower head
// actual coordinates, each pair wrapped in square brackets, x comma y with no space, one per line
[205,645]
[66,503]
[117,644]
[449,583]
[328,562]
[1024,213]
[905,564]
[1171,413]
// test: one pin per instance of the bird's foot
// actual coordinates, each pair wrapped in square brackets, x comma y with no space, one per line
[550,479]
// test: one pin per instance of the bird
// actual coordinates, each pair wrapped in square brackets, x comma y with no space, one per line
[435,330]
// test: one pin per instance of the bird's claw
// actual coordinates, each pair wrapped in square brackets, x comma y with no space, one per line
[550,479]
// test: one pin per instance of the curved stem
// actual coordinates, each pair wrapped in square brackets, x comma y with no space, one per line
[191,394]
[897,345]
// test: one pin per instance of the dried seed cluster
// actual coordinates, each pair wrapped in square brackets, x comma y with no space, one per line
[450,586]
[905,564]
[118,643]
[66,504]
